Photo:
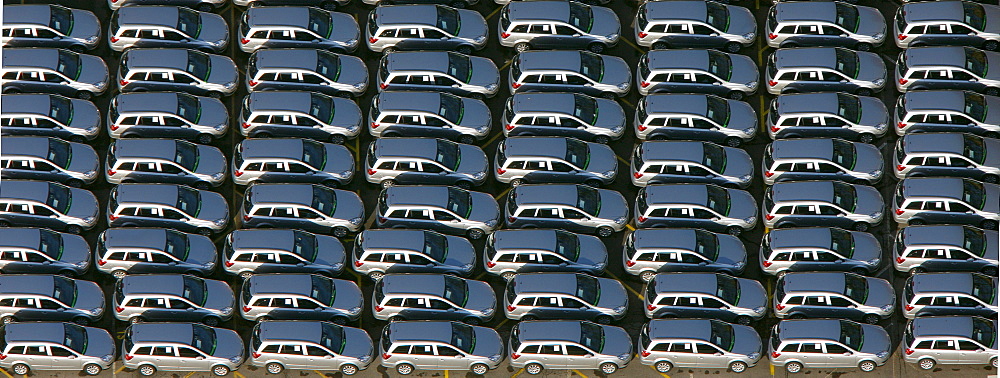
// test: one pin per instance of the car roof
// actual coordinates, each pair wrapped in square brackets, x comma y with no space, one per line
[154,238]
[544,101]
[308,331]
[703,283]
[945,234]
[802,191]
[394,239]
[49,332]
[276,239]
[700,329]
[947,187]
[819,57]
[424,14]
[425,284]
[161,332]
[149,15]
[439,331]
[34,103]
[959,326]
[679,238]
[942,282]
[38,14]
[24,190]
[300,284]
[30,57]
[936,56]
[533,239]
[808,103]
[567,60]
[809,329]
[425,148]
[31,284]
[291,101]
[560,283]
[676,103]
[27,146]
[673,150]
[949,100]
[163,102]
[819,148]
[806,11]
[936,142]
[551,147]
[934,11]
[538,10]
[556,330]
[146,148]
[423,195]
[695,59]
[170,284]
[561,194]
[436,61]
[158,58]
[18,237]
[832,282]
[282,148]
[405,100]
[299,194]
[302,59]
[164,194]
[690,194]
[810,237]
[677,10]
[278,16]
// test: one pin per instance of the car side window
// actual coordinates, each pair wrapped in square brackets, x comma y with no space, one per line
[832,348]
[185,352]
[574,350]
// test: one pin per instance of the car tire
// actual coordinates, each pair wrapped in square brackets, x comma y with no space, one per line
[349,369]
[507,276]
[479,369]
[467,50]
[609,368]
[135,320]
[211,321]
[522,47]
[744,320]
[147,370]
[81,321]
[797,316]
[736,95]
[215,94]
[332,184]
[863,92]
[992,91]
[993,362]
[596,47]
[274,368]
[76,183]
[205,7]
[603,319]
[458,4]
[916,222]
[734,230]
[339,231]
[84,95]
[605,231]
[647,276]
[990,271]
[20,369]
[74,229]
[529,318]
[396,318]
[467,139]
[330,5]
[862,226]
[387,183]
[867,366]
[338,320]
[734,142]
[860,271]
[917,270]
[92,369]
[68,273]
[988,224]
[389,50]
[246,275]
[404,369]
[516,182]
[475,234]
[261,134]
[602,139]
[664,366]
[733,47]
[473,321]
[866,138]
[738,367]
[220,370]
[376,276]
[660,46]
[78,139]
[593,183]
[609,96]
[793,367]
[991,179]
[533,368]
[926,363]
[863,46]
[201,185]
[871,319]
[464,185]
[118,274]
[7,320]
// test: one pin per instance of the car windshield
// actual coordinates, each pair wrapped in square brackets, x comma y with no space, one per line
[313,153]
[577,153]
[982,288]
[177,245]
[722,335]
[60,197]
[199,64]
[328,65]
[75,337]
[319,22]
[975,15]
[195,290]
[856,287]
[463,337]
[984,332]
[60,153]
[717,16]
[567,245]
[588,289]
[188,107]
[451,108]
[581,16]
[718,199]
[448,154]
[456,290]
[447,20]
[324,200]
[69,64]
[460,67]
[323,290]
[186,155]
[842,242]
[64,290]
[592,66]
[714,157]
[706,244]
[459,202]
[203,338]
[588,199]
[435,246]
[844,153]
[188,22]
[61,19]
[321,107]
[974,241]
[851,335]
[847,62]
[717,110]
[332,337]
[849,107]
[720,64]
[585,108]
[845,196]
[974,194]
[975,62]
[305,245]
[847,17]
[61,109]
[592,336]
[727,288]
[975,106]
[50,243]
[188,200]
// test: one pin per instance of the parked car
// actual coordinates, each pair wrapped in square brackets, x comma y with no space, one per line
[948,340]
[703,343]
[182,70]
[300,114]
[47,204]
[947,67]
[704,206]
[167,26]
[798,24]
[310,207]
[822,159]
[705,295]
[566,344]
[651,251]
[429,114]
[554,160]
[819,249]
[667,162]
[309,343]
[380,252]
[55,71]
[822,203]
[950,111]
[953,293]
[167,205]
[51,346]
[671,24]
[165,161]
[292,160]
[828,343]
[406,346]
[441,71]
[307,70]
[569,71]
[325,4]
[285,296]
[50,25]
[248,252]
[446,209]
[121,251]
[425,27]
[167,115]
[558,25]
[433,297]
[825,69]
[40,250]
[38,297]
[297,27]
[833,295]
[574,115]
[509,252]
[833,115]
[576,208]
[201,5]
[946,248]
[962,23]
[172,297]
[151,347]
[697,71]
[533,296]
[391,161]
[50,159]
[946,200]
[703,117]
[948,154]
[49,115]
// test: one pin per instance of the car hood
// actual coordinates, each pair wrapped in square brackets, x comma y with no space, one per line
[338,159]
[474,160]
[602,158]
[611,114]
[348,295]
[213,112]
[731,250]
[460,252]
[875,339]
[612,294]
[475,114]
[752,294]
[992,252]
[738,163]
[228,344]
[746,340]
[613,205]
[213,206]
[866,247]
[349,206]
[75,249]
[343,27]
[223,70]
[220,295]
[741,116]
[992,193]
[871,66]
[744,70]
[605,22]
[880,293]
[592,251]
[346,113]
[873,112]
[741,21]
[992,159]
[84,158]
[93,70]
[85,115]
[616,71]
[213,28]
[869,200]
[329,251]
[484,207]
[99,343]
[202,250]
[88,295]
[481,296]
[742,204]
[868,158]
[358,344]
[85,24]
[211,161]
[84,204]
[473,25]
[616,342]
[353,71]
[484,72]
[488,342]
[992,19]
[870,22]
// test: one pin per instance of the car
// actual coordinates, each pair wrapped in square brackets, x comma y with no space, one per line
[837,295]
[565,344]
[802,24]
[167,115]
[948,154]
[573,115]
[946,67]
[569,71]
[961,23]
[172,297]
[37,347]
[297,27]
[446,209]
[49,115]
[441,71]
[946,200]
[391,161]
[307,70]
[167,26]
[528,25]
[201,5]
[181,70]
[300,114]
[671,24]
[829,115]
[50,159]
[704,206]
[704,343]
[151,347]
[650,251]
[429,114]
[310,207]
[949,293]
[413,296]
[248,252]
[457,4]
[284,296]
[701,117]
[947,111]
[538,159]
[819,249]
[824,69]
[946,248]
[822,159]
[666,162]
[705,295]
[407,346]
[50,25]
[947,340]
[55,71]
[533,296]
[822,203]
[828,343]
[572,207]
[425,27]
[700,71]
[167,205]
[37,297]
[379,252]
[292,160]
[165,161]
[351,349]
[40,250]
[121,251]
[509,252]
[47,204]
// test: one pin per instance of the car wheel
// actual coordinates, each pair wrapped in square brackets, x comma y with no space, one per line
[647,276]
[274,368]
[991,179]
[246,275]
[992,91]
[744,320]
[993,362]
[594,183]
[733,47]
[596,48]
[609,368]
[860,271]
[605,231]
[475,234]
[387,183]
[916,222]
[738,366]
[204,232]
[74,229]
[118,274]
[867,366]
[84,95]
[863,92]
[7,319]
[215,94]
[793,367]
[458,4]
[68,274]
[734,142]
[339,231]
[201,185]
[990,271]
[396,318]
[21,369]
[507,276]
[664,366]
[660,46]
[347,95]
[78,139]
[528,317]
[864,46]
[479,369]
[81,321]
[333,184]
[92,369]
[734,230]
[871,319]
[917,270]
[464,185]
[603,319]
[205,7]
[467,139]
[926,363]
[516,182]
[609,95]
[330,5]
[135,320]
[147,370]
[211,321]
[262,134]
[866,138]
[473,321]
[797,316]
[533,368]
[464,50]
[861,226]
[339,320]
[602,139]
[75,183]
[349,369]
[404,369]
[988,224]
[376,276]
[220,370]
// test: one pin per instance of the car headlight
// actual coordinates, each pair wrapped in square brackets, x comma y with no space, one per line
[480,39]
[97,310]
[219,222]
[739,264]
[878,81]
[750,219]
[352,42]
[879,36]
[364,359]
[479,175]
[337,266]
[356,220]
[218,176]
[107,357]
[751,85]
[345,173]
[620,309]
[482,129]
[874,261]
[90,173]
[623,86]
[875,172]
[359,85]
[880,127]
[101,85]
[235,359]
[91,39]
[749,131]
[495,357]
[618,129]
[759,310]
[749,35]
[876,214]
[746,177]
[227,310]
[601,265]
[487,311]
[621,219]
[624,356]
[882,354]
[491,87]
[608,173]
[612,36]
[753,355]
[92,129]
[490,223]
[886,308]
[220,126]
[467,266]
[81,264]
[355,310]
[89,219]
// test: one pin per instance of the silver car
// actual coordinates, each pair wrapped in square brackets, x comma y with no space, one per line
[50,346]
[167,205]
[828,343]
[440,345]
[391,161]
[286,296]
[441,208]
[575,115]
[425,27]
[833,295]
[672,24]
[558,25]
[327,346]
[798,24]
[946,200]
[49,115]
[149,347]
[292,160]
[947,111]
[307,70]
[290,26]
[47,204]
[49,25]
[948,340]
[695,117]
[824,69]
[173,297]
[167,26]
[667,162]
[509,252]
[533,296]
[947,67]
[167,115]
[569,71]
[33,297]
[961,23]
[948,154]
[52,70]
[378,252]
[433,297]
[247,252]
[527,159]
[39,250]
[442,71]
[429,114]
[201,5]
[705,206]
[300,114]
[705,295]
[184,70]
[310,207]
[576,208]
[697,71]
[121,251]
[952,293]
[165,161]
[566,344]
[822,159]
[946,248]
[650,251]
[702,343]
[49,159]
[819,249]
[822,203]
[828,115]
[325,4]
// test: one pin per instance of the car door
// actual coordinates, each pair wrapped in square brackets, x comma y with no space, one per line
[316,357]
[543,35]
[164,358]
[812,355]
[706,354]
[553,356]
[704,36]
[838,356]
[37,357]
[63,359]
[945,350]
[450,358]
[578,357]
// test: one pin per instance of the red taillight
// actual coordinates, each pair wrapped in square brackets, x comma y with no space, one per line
[252,83]
[490,264]
[128,357]
[372,39]
[246,125]
[515,85]
[629,263]
[643,35]
[766,263]
[504,35]
[772,83]
[900,167]
[375,125]
[900,259]
[112,172]
[642,127]
[247,308]
[511,219]
[382,219]
[908,351]
[119,308]
[256,355]
[768,216]
[903,81]
[359,263]
[644,84]
[902,37]
[772,35]
[383,85]
[900,124]
[229,263]
[908,308]
[515,356]
[650,307]
[501,171]
[114,39]
[114,127]
[370,171]
[510,308]
[123,82]
[775,129]
[637,174]
[101,262]
[385,356]
[768,173]
[244,41]
[112,216]
[247,217]
[379,308]
[775,354]
[642,218]
[779,306]
[900,211]
[3,356]
[238,173]
[509,127]
[645,354]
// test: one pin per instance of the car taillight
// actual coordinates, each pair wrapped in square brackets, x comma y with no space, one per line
[247,308]
[775,129]
[637,174]
[643,35]
[375,125]
[642,127]
[359,263]
[112,216]
[379,308]
[908,351]
[766,263]
[515,356]
[902,37]
[504,35]
[114,127]
[775,354]
[509,127]
[903,81]
[900,167]
[645,353]
[490,264]
[246,125]
[112,172]
[779,306]
[511,219]
[772,35]
[114,39]
[908,307]
[385,356]
[511,308]
[101,262]
[371,171]
[123,82]
[900,259]
[372,39]
[119,308]
[644,84]
[128,357]
[229,263]
[900,211]
[254,82]
[515,85]
[900,124]
[501,171]
[247,217]
[256,355]
[244,41]
[650,307]
[772,83]
[238,173]
[629,263]
[642,218]
[382,219]
[768,173]
[383,85]
[768,216]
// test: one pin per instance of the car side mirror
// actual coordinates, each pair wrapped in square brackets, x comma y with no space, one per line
[843,36]
[972,34]
[576,35]
[714,35]
[563,263]
[172,263]
[200,358]
[328,356]
[715,218]
[63,309]
[702,263]
[430,265]
[190,309]
[588,355]
[717,83]
[718,353]
[451,309]
[848,353]
[444,38]
[843,81]
[315,41]
[454,85]
[71,356]
[852,306]
[300,264]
